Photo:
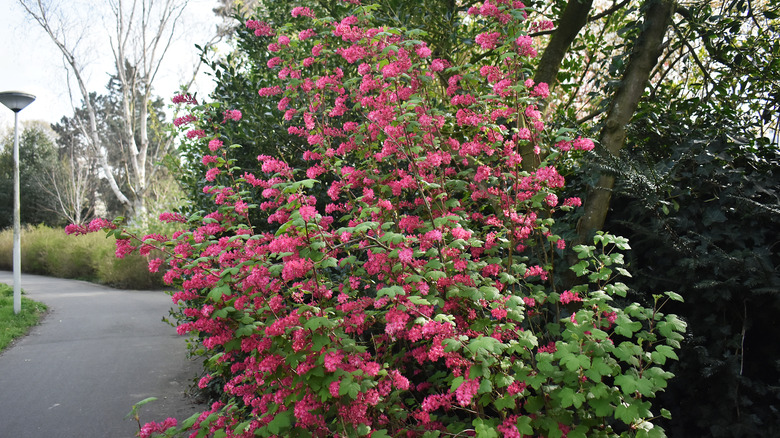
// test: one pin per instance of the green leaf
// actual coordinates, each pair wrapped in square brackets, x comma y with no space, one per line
[667,351]
[487,343]
[433,264]
[674,296]
[484,428]
[598,368]
[524,426]
[218,292]
[281,421]
[490,292]
[329,262]
[316,322]
[581,268]
[566,396]
[434,275]
[456,382]
[627,412]
[390,291]
[363,429]
[601,406]
[625,327]
[506,402]
[241,427]
[420,301]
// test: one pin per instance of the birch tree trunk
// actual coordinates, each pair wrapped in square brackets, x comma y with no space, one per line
[143,32]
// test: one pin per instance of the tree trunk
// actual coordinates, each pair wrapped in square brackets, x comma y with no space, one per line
[643,59]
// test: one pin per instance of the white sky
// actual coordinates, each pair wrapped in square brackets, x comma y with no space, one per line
[30,62]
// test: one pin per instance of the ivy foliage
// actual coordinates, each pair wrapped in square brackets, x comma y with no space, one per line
[703,215]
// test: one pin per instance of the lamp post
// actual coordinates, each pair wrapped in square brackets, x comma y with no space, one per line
[16,101]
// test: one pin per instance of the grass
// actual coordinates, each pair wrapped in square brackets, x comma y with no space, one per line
[13,326]
[49,251]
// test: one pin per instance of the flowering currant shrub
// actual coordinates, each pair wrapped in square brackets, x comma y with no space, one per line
[410,281]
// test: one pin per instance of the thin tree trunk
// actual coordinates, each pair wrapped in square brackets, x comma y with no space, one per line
[644,58]
[91,132]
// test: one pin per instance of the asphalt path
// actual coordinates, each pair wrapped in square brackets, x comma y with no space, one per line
[96,353]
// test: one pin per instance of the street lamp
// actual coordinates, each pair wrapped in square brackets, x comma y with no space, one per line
[16,101]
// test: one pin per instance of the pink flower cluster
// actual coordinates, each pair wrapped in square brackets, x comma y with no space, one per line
[393,288]
[260,28]
[231,115]
[151,428]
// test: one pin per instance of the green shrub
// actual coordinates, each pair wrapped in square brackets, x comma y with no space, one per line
[406,280]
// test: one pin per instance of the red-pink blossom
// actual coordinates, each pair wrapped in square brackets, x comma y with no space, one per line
[487,40]
[215,144]
[302,12]
[569,297]
[466,391]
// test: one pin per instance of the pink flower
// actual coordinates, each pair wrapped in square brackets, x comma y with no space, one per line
[498,313]
[98,224]
[405,255]
[212,173]
[516,388]
[184,98]
[306,34]
[270,91]
[296,268]
[332,360]
[184,120]
[534,271]
[399,381]
[307,212]
[525,46]
[150,428]
[541,90]
[215,144]
[273,62]
[154,264]
[196,133]
[549,348]
[466,392]
[488,41]
[123,248]
[352,54]
[302,12]
[260,28]
[172,217]
[232,115]
[569,297]
[583,144]
[423,51]
[73,229]
[508,428]
[334,387]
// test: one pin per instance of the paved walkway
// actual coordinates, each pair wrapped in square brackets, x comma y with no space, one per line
[97,352]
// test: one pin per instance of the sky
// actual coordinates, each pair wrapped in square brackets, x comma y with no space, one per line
[31,63]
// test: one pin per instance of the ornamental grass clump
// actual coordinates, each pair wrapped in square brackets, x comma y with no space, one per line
[407,282]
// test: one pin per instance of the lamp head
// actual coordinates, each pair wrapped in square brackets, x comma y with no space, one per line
[16,100]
